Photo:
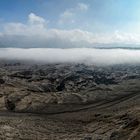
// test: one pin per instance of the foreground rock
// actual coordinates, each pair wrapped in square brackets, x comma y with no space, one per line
[69,101]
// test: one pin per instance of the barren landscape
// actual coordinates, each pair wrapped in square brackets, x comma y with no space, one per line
[70,70]
[69,101]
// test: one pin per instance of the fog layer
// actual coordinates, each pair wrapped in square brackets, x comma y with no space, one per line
[75,55]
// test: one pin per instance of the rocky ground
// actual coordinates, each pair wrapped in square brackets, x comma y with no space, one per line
[69,101]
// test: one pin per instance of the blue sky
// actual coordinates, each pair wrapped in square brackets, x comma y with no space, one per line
[113,20]
[114,14]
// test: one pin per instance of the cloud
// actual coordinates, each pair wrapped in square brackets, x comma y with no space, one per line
[78,55]
[82,6]
[34,19]
[34,33]
[66,17]
[34,25]
[70,15]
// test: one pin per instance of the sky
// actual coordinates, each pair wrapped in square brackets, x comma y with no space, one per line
[69,23]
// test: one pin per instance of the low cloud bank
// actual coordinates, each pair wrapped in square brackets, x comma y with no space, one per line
[77,55]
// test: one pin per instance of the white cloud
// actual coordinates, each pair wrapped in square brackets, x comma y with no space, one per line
[14,28]
[35,25]
[82,6]
[69,15]
[36,34]
[66,17]
[78,55]
[34,19]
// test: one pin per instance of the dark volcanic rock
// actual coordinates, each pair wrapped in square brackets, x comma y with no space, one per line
[10,105]
[115,135]
[1,81]
[53,78]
